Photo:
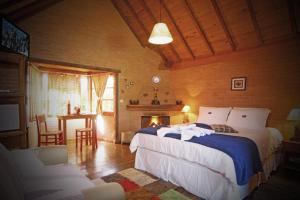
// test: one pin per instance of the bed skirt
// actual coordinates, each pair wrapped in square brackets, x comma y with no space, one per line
[197,179]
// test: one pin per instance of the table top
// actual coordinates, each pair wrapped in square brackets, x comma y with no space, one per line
[76,116]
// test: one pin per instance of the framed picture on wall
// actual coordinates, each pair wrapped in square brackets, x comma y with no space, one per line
[238,83]
[12,38]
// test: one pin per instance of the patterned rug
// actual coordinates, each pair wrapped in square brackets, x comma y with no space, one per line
[142,185]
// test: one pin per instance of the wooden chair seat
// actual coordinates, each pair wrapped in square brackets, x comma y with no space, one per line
[86,134]
[47,137]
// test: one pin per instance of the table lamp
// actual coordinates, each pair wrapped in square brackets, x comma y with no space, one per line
[294,115]
[185,110]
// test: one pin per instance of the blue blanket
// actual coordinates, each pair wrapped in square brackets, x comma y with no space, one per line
[243,151]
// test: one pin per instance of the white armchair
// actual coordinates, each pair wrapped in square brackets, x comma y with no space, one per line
[34,171]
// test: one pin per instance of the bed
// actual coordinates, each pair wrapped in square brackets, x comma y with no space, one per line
[204,171]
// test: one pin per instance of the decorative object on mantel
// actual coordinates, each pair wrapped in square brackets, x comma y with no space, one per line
[160,33]
[238,83]
[134,102]
[155,100]
[294,115]
[185,110]
[178,102]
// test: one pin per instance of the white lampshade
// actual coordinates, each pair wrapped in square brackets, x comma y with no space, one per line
[186,109]
[160,34]
[294,114]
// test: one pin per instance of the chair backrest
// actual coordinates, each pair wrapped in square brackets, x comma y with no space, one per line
[41,124]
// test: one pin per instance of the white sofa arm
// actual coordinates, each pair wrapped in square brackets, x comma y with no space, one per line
[52,155]
[107,191]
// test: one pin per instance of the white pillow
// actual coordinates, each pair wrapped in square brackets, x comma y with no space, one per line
[250,118]
[213,115]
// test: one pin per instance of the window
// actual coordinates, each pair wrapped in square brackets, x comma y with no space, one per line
[108,96]
[50,93]
[84,94]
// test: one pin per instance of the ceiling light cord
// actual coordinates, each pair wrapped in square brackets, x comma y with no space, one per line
[159,10]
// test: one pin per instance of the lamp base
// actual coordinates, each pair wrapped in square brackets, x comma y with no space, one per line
[185,118]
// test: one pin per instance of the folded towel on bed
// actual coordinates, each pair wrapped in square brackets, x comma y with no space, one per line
[165,130]
[195,131]
[186,131]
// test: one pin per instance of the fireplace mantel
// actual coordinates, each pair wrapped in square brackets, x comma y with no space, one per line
[163,107]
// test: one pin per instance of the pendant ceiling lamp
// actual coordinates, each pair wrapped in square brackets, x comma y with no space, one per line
[160,33]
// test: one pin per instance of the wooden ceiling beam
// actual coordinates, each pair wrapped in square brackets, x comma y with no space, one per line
[128,24]
[30,9]
[198,26]
[222,21]
[157,49]
[226,55]
[292,15]
[9,3]
[148,10]
[177,29]
[254,21]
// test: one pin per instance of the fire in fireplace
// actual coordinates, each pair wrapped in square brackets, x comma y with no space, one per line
[154,120]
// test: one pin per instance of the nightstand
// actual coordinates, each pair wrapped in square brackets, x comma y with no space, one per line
[291,154]
[126,136]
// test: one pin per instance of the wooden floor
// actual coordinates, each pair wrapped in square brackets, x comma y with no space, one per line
[107,159]
[110,158]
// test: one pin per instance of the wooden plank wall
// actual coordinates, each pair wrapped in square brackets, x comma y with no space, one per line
[273,81]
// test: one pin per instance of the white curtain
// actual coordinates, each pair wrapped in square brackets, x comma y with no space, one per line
[99,84]
[61,89]
[38,92]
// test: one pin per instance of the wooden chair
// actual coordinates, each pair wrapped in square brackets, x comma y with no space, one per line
[86,134]
[47,137]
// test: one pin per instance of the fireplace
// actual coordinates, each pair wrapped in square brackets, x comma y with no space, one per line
[153,120]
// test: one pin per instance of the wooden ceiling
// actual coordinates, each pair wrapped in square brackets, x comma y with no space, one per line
[205,29]
[16,10]
[202,29]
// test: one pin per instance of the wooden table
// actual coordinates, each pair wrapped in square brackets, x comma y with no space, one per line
[63,119]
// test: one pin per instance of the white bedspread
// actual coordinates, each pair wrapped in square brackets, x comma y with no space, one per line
[266,140]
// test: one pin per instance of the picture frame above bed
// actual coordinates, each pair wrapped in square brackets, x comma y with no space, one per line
[238,83]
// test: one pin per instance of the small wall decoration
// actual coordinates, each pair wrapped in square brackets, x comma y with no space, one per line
[238,83]
[13,38]
[155,79]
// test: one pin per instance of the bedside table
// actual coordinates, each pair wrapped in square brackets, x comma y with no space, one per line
[126,136]
[291,154]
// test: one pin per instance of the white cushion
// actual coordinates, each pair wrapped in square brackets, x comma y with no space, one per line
[33,164]
[250,118]
[9,167]
[213,115]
